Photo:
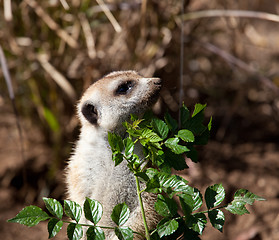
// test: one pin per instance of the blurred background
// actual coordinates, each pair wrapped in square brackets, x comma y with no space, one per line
[56,48]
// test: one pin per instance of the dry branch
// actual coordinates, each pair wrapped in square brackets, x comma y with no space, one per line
[57,76]
[230,13]
[109,15]
[52,24]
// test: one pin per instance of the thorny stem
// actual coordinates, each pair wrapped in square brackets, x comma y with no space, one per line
[147,235]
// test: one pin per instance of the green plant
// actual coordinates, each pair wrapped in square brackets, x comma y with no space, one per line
[164,145]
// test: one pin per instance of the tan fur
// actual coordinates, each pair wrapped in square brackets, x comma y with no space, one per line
[91,172]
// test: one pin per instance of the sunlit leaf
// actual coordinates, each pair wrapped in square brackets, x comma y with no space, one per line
[120,214]
[30,216]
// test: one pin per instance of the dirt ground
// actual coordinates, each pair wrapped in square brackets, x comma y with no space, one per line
[249,164]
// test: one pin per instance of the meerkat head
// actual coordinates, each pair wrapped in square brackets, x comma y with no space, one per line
[111,100]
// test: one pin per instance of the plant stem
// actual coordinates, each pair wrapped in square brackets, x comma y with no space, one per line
[147,235]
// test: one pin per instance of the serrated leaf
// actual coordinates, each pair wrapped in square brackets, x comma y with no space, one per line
[214,195]
[54,226]
[165,228]
[115,142]
[197,197]
[165,206]
[153,185]
[95,233]
[184,115]
[176,161]
[120,214]
[237,208]
[124,233]
[74,231]
[172,144]
[192,154]
[30,216]
[217,219]
[54,207]
[129,146]
[93,210]
[117,157]
[186,135]
[198,108]
[246,196]
[150,135]
[160,127]
[197,222]
[176,183]
[72,210]
[172,123]
[187,203]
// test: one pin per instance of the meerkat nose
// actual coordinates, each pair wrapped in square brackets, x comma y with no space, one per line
[157,81]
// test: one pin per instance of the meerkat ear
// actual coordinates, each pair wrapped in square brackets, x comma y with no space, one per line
[90,113]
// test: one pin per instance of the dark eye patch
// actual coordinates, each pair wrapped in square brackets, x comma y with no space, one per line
[124,88]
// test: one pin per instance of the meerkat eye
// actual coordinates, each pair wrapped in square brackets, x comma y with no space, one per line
[124,88]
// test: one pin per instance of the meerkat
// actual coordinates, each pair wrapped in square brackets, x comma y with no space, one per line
[91,173]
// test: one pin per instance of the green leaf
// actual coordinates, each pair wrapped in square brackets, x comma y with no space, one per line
[192,154]
[95,233]
[172,144]
[167,227]
[187,203]
[197,197]
[129,146]
[176,161]
[160,127]
[51,119]
[117,157]
[172,123]
[72,210]
[115,142]
[153,185]
[150,135]
[184,115]
[120,214]
[237,207]
[198,108]
[124,233]
[217,219]
[54,226]
[245,196]
[30,216]
[197,222]
[165,206]
[214,195]
[176,183]
[74,231]
[54,207]
[186,135]
[93,210]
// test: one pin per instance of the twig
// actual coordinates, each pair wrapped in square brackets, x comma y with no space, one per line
[8,10]
[239,63]
[52,24]
[147,234]
[12,97]
[109,15]
[64,4]
[57,76]
[181,90]
[90,43]
[230,13]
